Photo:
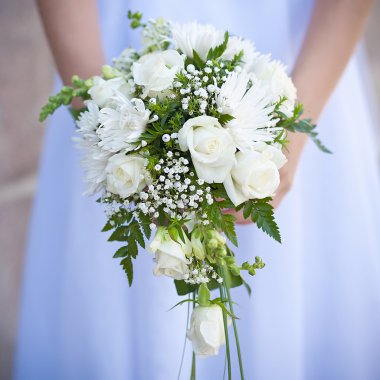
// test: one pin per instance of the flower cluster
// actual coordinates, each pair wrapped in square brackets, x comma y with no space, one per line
[193,123]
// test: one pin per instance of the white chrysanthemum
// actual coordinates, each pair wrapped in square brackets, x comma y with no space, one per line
[193,36]
[122,123]
[279,84]
[251,110]
[94,162]
[236,45]
[94,159]
[88,122]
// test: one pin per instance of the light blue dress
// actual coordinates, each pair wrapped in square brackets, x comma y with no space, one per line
[315,309]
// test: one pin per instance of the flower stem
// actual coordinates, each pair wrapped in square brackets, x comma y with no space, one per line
[193,360]
[234,326]
[228,355]
[184,343]
[193,367]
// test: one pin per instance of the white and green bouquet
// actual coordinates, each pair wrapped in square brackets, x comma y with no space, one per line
[172,135]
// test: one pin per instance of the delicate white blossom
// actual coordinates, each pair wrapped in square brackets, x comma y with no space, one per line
[156,71]
[206,330]
[122,123]
[251,108]
[93,159]
[170,255]
[193,36]
[278,84]
[211,147]
[236,45]
[102,90]
[254,176]
[126,174]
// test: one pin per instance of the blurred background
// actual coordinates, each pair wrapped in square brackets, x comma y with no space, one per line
[26,75]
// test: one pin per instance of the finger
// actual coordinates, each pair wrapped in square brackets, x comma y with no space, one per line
[278,198]
[238,215]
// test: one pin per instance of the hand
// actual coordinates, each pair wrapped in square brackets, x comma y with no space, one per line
[238,215]
[287,172]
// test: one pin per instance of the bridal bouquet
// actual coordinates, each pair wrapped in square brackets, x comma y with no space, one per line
[172,135]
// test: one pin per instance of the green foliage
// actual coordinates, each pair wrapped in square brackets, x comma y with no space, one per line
[127,265]
[224,222]
[145,222]
[197,60]
[260,211]
[170,120]
[225,118]
[135,19]
[183,288]
[65,97]
[131,234]
[251,268]
[296,124]
[217,51]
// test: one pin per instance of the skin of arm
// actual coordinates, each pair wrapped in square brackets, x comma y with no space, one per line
[72,29]
[332,35]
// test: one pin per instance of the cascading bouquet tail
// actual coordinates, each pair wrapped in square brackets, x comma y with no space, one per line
[172,135]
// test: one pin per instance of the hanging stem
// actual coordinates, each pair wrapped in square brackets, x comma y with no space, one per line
[193,360]
[228,355]
[234,324]
[193,367]
[184,343]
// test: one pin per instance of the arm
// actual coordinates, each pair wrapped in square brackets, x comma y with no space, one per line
[334,30]
[72,29]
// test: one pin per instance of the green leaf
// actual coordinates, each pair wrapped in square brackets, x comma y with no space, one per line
[107,227]
[228,227]
[121,252]
[217,52]
[225,222]
[136,233]
[197,60]
[225,118]
[132,247]
[182,302]
[223,307]
[183,288]
[247,210]
[119,234]
[128,268]
[204,295]
[262,214]
[145,222]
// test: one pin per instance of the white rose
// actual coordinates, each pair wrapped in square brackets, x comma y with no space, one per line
[272,152]
[103,90]
[193,36]
[170,256]
[211,146]
[254,176]
[126,174]
[156,71]
[206,330]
